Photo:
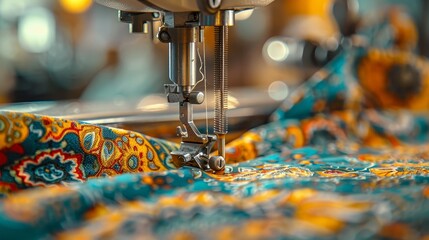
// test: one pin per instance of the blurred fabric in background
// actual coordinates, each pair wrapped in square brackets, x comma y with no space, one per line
[77,49]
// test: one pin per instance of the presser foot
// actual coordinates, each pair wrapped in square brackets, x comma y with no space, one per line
[197,155]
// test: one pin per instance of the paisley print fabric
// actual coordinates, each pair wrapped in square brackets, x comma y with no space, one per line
[40,151]
[327,166]
[346,156]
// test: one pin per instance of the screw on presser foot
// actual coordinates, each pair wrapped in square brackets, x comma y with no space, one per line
[197,155]
[202,161]
[217,163]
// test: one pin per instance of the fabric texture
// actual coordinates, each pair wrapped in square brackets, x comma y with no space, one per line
[40,150]
[346,156]
[327,166]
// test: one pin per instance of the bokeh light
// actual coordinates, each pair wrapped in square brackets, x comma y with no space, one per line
[277,51]
[278,90]
[76,6]
[36,30]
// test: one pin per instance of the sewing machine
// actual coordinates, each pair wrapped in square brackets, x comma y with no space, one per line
[181,23]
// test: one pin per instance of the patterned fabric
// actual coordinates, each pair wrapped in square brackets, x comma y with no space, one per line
[386,91]
[346,156]
[40,151]
[326,167]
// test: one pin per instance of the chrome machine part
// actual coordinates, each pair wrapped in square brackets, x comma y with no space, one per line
[182,32]
[180,5]
[183,23]
[147,22]
[221,86]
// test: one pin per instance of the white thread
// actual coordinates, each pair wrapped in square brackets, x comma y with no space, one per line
[203,75]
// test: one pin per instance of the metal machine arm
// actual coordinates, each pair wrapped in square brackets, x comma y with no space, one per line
[182,24]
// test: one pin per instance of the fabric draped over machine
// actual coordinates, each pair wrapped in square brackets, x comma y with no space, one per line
[326,165]
[345,156]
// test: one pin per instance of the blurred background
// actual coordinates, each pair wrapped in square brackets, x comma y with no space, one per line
[77,49]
